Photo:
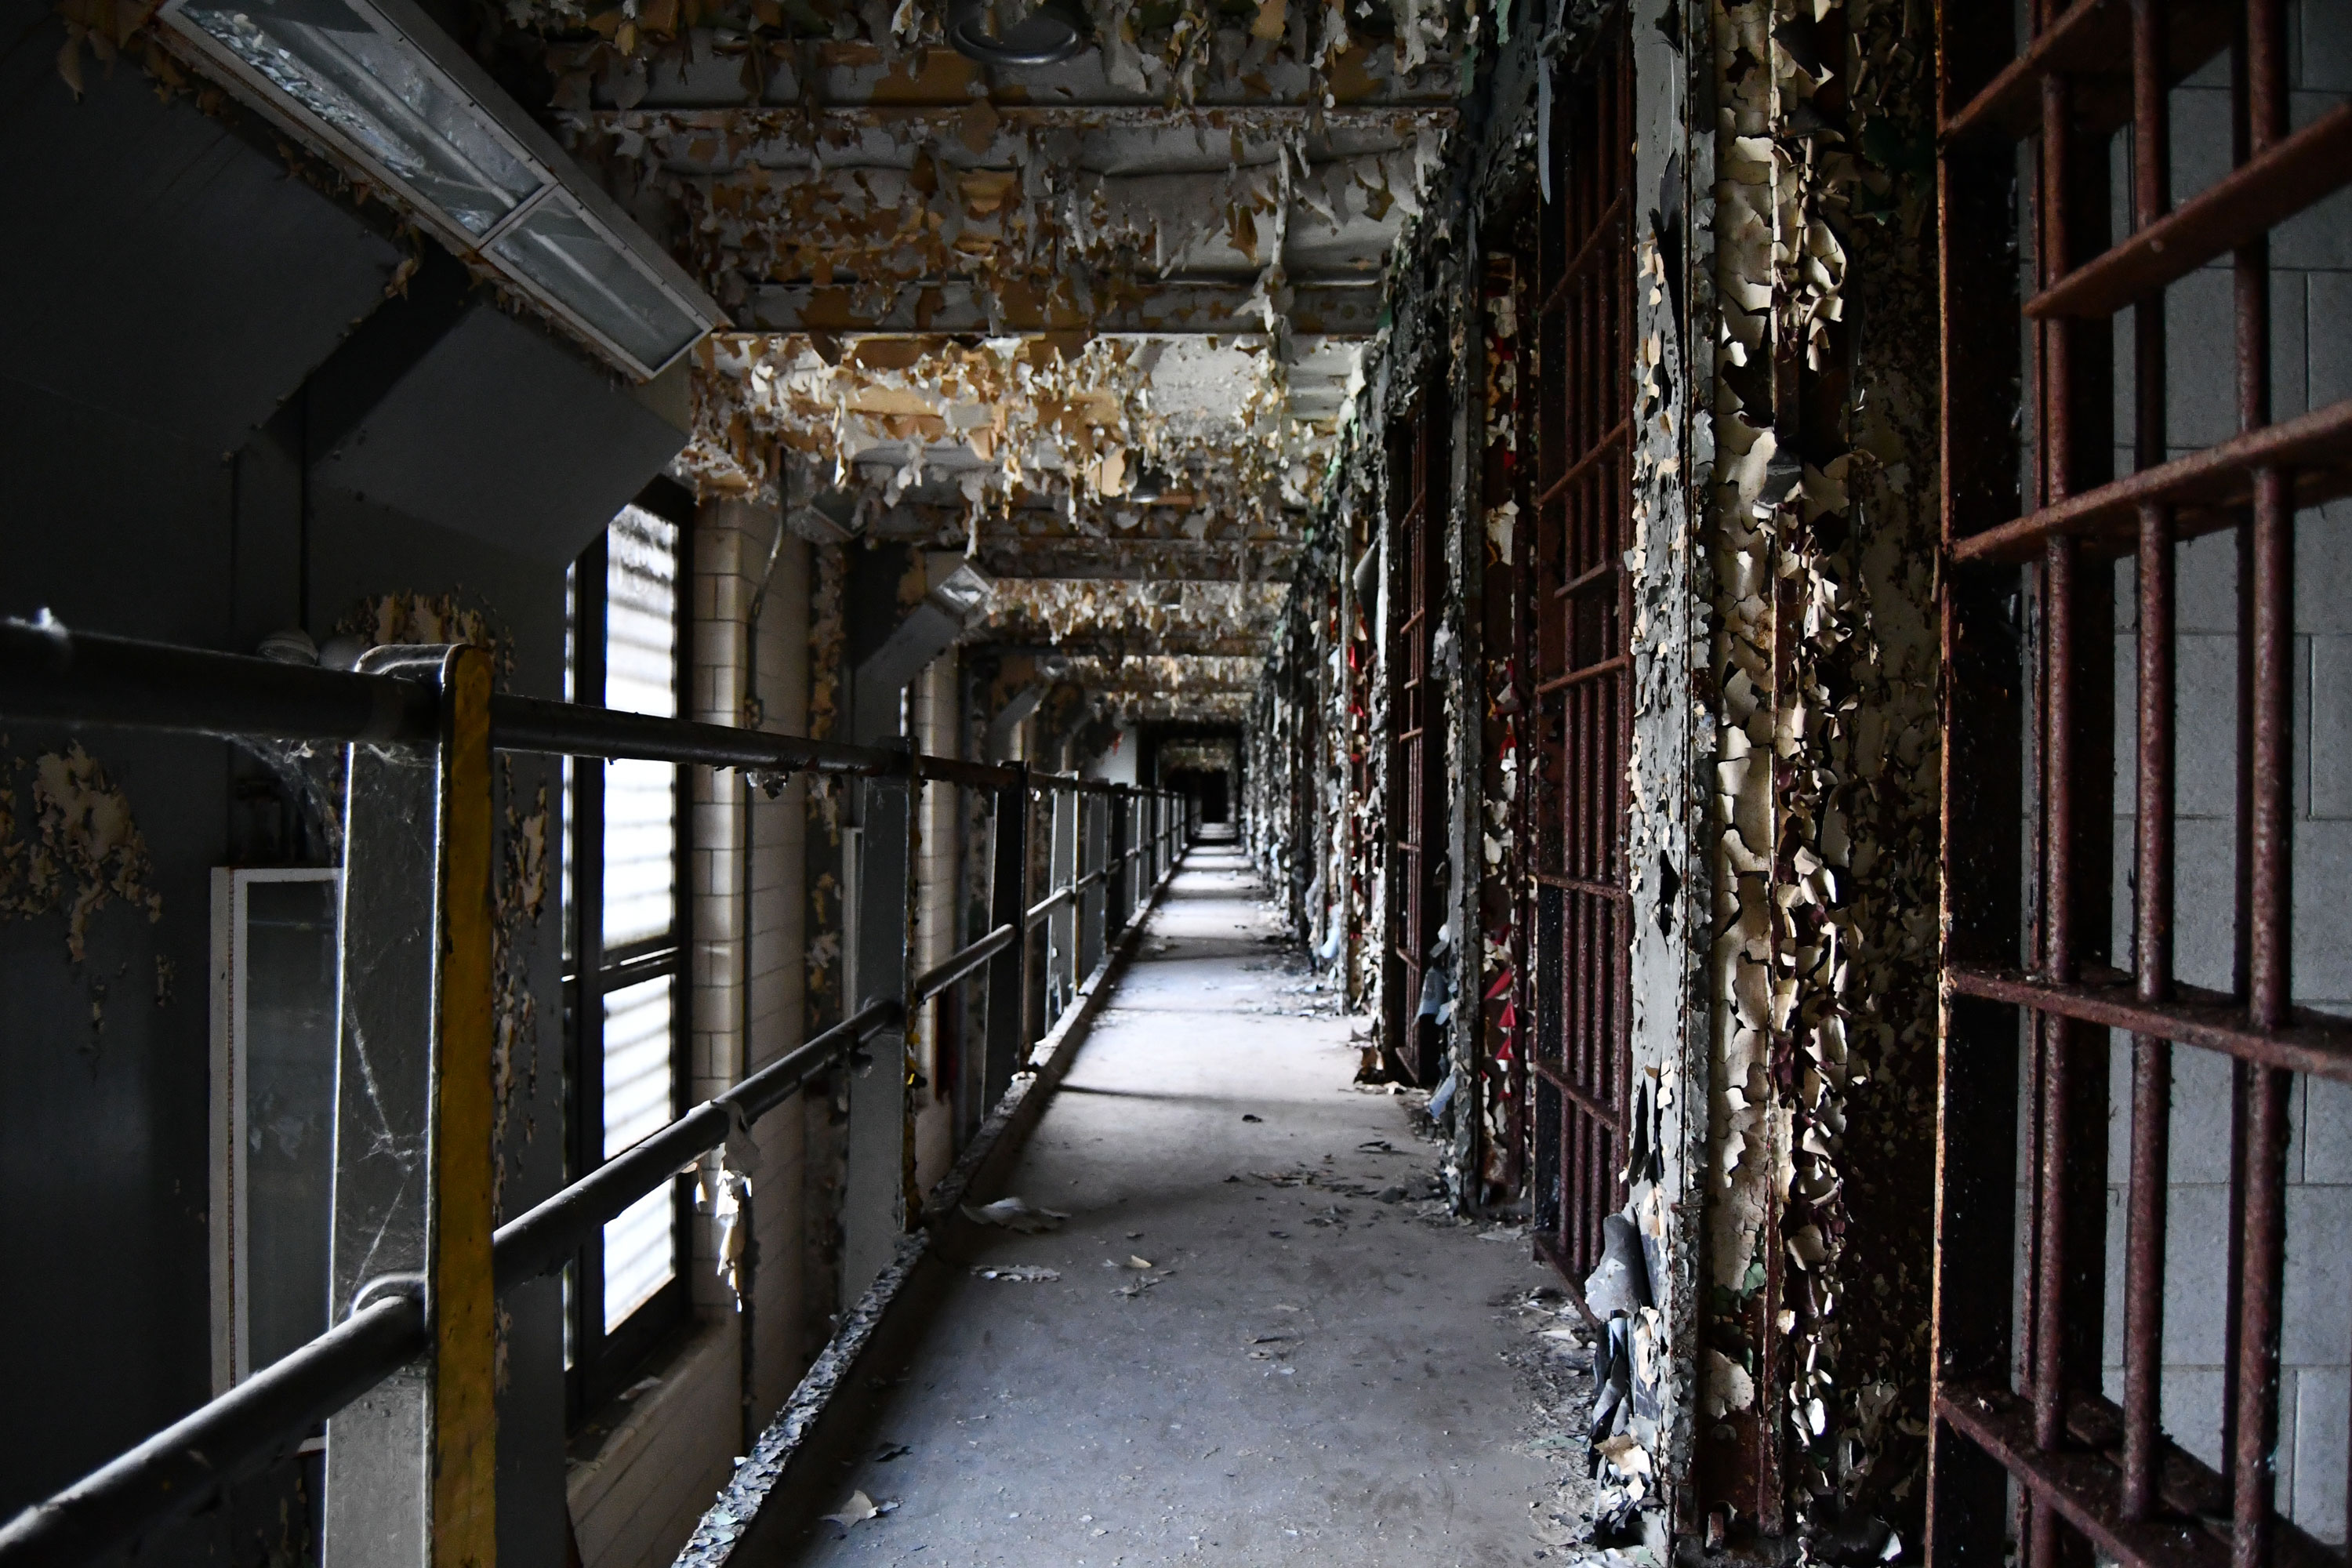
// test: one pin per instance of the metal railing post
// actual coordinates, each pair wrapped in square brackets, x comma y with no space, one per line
[1008,981]
[1062,925]
[1118,886]
[873,1200]
[1090,894]
[412,1464]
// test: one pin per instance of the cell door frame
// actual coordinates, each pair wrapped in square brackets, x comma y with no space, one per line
[1418,493]
[2038,984]
[1575,796]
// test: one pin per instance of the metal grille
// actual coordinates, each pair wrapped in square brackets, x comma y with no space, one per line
[1361,844]
[1417,459]
[2096,1450]
[1580,725]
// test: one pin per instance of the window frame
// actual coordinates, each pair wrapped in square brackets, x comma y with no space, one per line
[599,1363]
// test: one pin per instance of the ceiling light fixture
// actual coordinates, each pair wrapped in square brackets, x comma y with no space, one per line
[377,83]
[1047,36]
[965,591]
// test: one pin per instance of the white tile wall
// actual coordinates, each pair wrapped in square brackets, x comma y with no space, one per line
[940,875]
[636,1504]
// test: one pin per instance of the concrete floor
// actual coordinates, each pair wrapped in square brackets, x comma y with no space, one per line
[1307,1372]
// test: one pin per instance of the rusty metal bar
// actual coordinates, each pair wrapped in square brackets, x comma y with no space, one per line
[2259,1205]
[2085,38]
[2307,1042]
[2106,1474]
[2210,488]
[2240,208]
[1576,968]
[2151,1098]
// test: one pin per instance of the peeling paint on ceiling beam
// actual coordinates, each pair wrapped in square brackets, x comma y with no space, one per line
[1154,561]
[702,66]
[1045,518]
[1170,692]
[1137,671]
[1219,707]
[1109,642]
[745,125]
[1345,305]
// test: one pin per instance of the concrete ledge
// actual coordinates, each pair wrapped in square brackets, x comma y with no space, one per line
[782,1484]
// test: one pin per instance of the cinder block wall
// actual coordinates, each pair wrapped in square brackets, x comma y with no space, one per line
[2311,303]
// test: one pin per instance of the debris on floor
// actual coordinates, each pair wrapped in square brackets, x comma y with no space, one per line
[1018,1273]
[858,1509]
[1013,1214]
[1557,1371]
[1143,1282]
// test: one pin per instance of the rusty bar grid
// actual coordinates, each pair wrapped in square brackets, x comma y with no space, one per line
[1578,610]
[1503,1143]
[2019,1414]
[1417,472]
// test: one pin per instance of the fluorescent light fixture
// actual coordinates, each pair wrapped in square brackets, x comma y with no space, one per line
[377,83]
[964,591]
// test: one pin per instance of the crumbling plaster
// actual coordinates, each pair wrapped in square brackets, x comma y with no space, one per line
[1822,880]
[1783,794]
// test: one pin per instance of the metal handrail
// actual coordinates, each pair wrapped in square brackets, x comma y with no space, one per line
[574,729]
[1052,901]
[49,672]
[543,1239]
[963,961]
[169,1474]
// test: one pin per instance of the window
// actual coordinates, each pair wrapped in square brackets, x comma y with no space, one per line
[626,937]
[273,1079]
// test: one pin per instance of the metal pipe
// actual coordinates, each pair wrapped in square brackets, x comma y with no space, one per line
[570,729]
[2255,1473]
[168,1476]
[2151,1100]
[2151,1094]
[963,961]
[1052,901]
[48,673]
[542,1240]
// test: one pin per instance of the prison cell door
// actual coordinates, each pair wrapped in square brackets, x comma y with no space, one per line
[1417,509]
[1578,732]
[2089,623]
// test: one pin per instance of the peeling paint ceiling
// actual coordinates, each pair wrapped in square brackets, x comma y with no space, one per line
[1095,324]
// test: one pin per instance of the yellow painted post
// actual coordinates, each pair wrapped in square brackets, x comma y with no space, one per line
[465,1410]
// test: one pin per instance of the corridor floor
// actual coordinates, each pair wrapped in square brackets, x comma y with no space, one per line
[1307,1372]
